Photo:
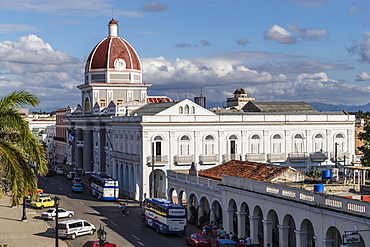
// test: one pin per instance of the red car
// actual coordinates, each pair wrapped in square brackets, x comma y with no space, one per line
[95,243]
[198,239]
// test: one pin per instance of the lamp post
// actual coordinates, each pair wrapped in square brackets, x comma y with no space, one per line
[102,236]
[57,201]
[24,216]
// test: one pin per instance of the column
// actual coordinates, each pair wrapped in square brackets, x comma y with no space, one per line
[77,150]
[241,224]
[228,225]
[172,148]
[267,232]
[329,144]
[146,151]
[102,155]
[288,140]
[221,145]
[212,215]
[200,211]
[190,203]
[197,149]
[244,144]
[87,152]
[266,143]
[253,220]
[301,238]
[283,235]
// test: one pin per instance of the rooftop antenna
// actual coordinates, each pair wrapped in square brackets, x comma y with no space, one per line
[201,90]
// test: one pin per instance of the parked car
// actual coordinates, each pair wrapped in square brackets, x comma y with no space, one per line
[198,239]
[77,188]
[50,214]
[95,243]
[59,171]
[29,200]
[77,180]
[71,175]
[50,173]
[43,202]
[72,228]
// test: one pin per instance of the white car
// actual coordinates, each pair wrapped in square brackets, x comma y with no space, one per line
[59,171]
[71,175]
[62,213]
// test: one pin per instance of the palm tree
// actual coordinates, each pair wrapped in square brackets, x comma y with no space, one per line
[18,147]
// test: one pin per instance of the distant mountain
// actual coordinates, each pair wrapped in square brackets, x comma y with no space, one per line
[349,108]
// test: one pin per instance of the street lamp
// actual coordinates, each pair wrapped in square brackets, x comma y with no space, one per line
[102,235]
[24,216]
[56,201]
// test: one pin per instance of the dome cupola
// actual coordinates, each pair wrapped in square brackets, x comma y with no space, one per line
[113,60]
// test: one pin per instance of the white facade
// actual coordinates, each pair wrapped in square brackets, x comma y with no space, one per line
[117,133]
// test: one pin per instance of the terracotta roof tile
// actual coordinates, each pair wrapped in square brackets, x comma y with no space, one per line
[245,169]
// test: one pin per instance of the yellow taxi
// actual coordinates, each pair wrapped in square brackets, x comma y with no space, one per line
[43,202]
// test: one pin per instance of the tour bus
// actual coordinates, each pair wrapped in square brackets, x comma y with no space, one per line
[163,215]
[103,187]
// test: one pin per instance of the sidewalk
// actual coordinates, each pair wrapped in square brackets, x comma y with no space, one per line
[15,233]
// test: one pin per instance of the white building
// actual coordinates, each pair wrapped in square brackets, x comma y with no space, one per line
[119,132]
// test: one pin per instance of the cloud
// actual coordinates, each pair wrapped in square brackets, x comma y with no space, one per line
[154,7]
[242,41]
[280,35]
[31,64]
[183,45]
[69,7]
[309,3]
[310,34]
[363,76]
[205,43]
[362,47]
[65,21]
[352,10]
[9,27]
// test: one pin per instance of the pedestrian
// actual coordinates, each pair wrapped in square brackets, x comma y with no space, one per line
[204,231]
[241,243]
[248,241]
[124,209]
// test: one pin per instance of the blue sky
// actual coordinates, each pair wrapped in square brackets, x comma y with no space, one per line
[310,50]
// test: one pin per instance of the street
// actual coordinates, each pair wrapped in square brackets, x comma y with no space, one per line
[121,230]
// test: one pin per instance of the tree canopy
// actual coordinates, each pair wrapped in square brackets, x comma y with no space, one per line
[365,148]
[18,147]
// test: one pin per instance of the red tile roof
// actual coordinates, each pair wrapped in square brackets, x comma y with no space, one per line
[245,169]
[158,99]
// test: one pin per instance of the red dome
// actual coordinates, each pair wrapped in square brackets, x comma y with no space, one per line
[109,50]
[113,21]
[240,91]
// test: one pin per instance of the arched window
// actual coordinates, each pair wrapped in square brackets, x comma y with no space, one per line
[209,145]
[298,146]
[181,110]
[318,143]
[184,145]
[276,144]
[192,110]
[255,144]
[186,109]
[339,140]
[87,105]
[232,145]
[157,147]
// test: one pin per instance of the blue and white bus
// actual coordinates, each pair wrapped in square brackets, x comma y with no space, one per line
[104,187]
[164,216]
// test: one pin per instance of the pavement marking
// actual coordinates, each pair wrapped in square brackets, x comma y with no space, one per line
[113,223]
[60,188]
[52,183]
[141,243]
[138,239]
[82,203]
[69,195]
[97,213]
